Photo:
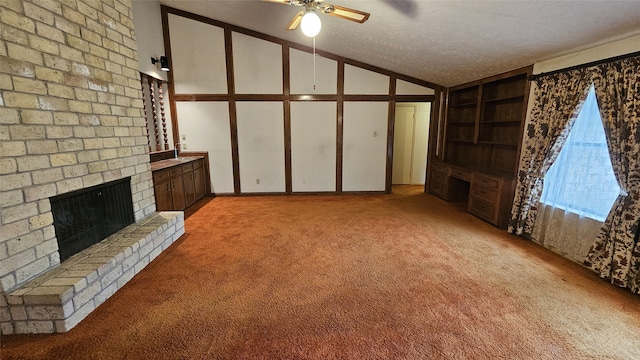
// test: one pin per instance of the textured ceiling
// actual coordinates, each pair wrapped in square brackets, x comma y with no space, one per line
[444,42]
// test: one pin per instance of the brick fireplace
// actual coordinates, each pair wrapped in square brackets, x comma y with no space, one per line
[70,118]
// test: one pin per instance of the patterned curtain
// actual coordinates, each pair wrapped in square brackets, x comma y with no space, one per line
[615,254]
[558,101]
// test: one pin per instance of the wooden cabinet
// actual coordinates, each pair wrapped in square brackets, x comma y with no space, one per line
[485,121]
[483,135]
[177,184]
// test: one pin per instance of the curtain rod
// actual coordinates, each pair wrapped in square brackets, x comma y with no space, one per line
[582,66]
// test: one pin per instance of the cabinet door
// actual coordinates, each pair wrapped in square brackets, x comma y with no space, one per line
[189,188]
[198,182]
[177,193]
[163,196]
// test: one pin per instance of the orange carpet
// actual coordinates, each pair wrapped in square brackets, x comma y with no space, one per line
[403,276]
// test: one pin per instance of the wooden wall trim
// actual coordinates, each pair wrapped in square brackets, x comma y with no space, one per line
[322,97]
[415,98]
[233,117]
[171,83]
[203,97]
[289,97]
[235,158]
[391,121]
[286,75]
[339,126]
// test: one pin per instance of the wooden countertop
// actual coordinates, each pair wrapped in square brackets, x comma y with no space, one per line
[167,163]
[480,169]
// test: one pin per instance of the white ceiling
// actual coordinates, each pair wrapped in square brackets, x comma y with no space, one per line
[444,42]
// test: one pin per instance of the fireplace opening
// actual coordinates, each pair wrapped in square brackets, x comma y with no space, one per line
[85,217]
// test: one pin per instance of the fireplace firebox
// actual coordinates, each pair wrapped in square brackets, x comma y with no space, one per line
[85,217]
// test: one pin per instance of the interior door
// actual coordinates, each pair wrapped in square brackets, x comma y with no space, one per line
[403,139]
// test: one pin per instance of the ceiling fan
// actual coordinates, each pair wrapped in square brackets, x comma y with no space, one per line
[309,21]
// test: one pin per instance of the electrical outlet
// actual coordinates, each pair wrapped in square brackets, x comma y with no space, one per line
[257,181]
[184,136]
[184,146]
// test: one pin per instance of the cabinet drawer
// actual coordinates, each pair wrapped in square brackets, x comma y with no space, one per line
[176,170]
[486,182]
[482,209]
[437,166]
[460,174]
[440,176]
[484,193]
[160,175]
[197,164]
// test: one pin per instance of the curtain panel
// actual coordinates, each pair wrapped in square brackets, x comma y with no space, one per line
[558,101]
[565,232]
[615,254]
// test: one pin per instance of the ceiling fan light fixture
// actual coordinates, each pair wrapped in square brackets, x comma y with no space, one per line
[310,24]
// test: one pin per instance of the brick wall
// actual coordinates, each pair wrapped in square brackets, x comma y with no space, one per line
[70,118]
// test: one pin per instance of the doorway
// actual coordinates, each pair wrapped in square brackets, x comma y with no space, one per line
[410,138]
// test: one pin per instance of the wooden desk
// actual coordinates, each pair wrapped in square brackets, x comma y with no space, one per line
[489,196]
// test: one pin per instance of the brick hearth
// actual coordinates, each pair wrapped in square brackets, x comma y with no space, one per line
[59,299]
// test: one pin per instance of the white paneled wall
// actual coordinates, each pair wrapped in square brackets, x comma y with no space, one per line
[407,88]
[205,126]
[362,81]
[210,122]
[364,146]
[302,80]
[261,146]
[313,146]
[257,65]
[197,57]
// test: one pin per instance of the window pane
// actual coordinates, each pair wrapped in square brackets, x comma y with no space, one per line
[582,179]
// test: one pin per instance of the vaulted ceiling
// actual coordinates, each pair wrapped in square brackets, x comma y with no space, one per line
[443,42]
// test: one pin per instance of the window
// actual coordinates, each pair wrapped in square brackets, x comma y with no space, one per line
[581,180]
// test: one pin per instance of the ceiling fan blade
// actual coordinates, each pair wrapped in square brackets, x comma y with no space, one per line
[295,21]
[348,14]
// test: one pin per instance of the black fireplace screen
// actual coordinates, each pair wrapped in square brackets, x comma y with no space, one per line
[85,217]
